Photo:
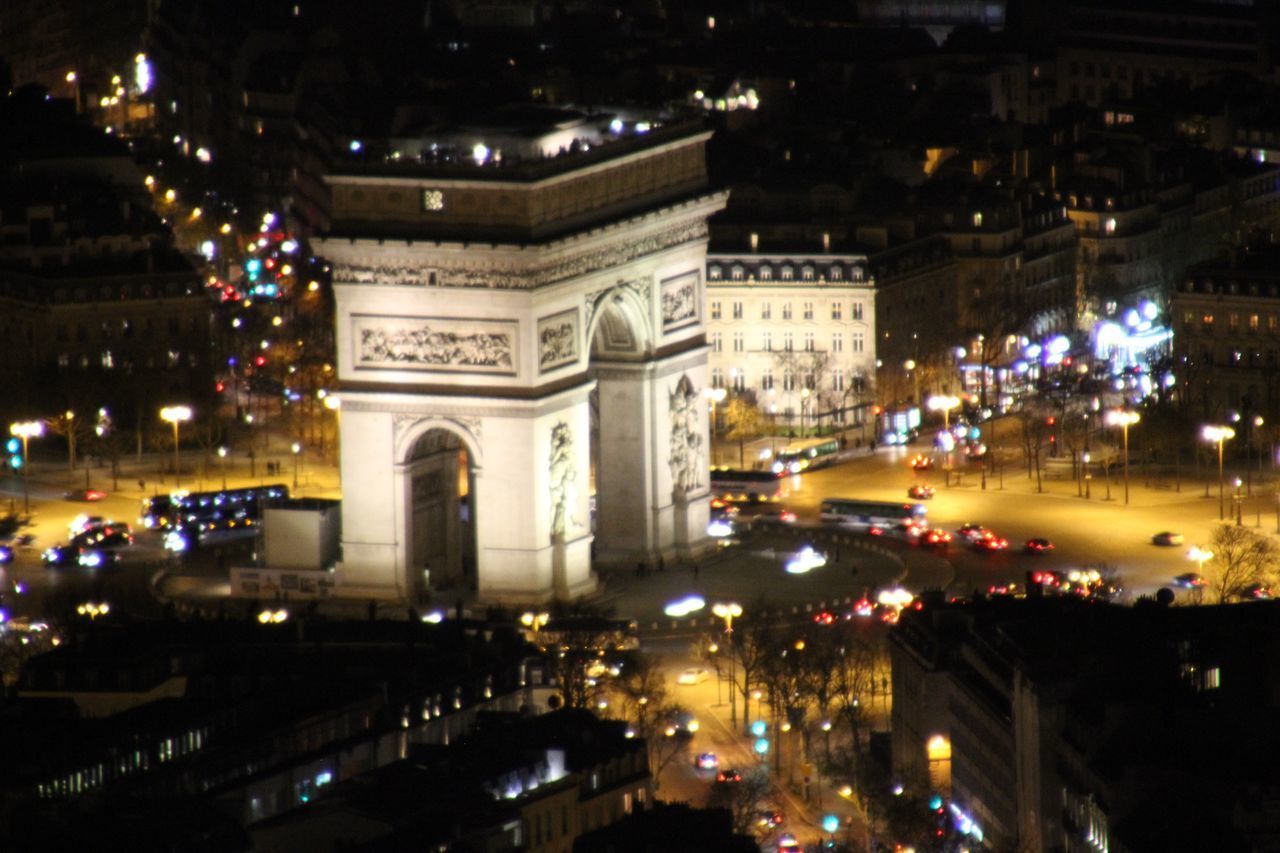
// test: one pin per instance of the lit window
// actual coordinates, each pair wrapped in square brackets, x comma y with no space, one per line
[715,273]
[1253,322]
[837,311]
[977,220]
[1109,226]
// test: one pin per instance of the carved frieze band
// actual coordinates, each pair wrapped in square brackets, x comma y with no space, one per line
[620,252]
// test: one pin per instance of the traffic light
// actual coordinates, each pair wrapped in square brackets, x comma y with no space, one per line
[14,446]
[252,268]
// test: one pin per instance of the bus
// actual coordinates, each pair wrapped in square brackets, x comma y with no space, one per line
[803,455]
[851,512]
[204,512]
[739,486]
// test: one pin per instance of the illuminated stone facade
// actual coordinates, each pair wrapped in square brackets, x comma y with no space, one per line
[520,319]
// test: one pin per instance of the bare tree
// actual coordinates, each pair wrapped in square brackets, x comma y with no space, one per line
[744,420]
[576,637]
[1241,558]
[745,799]
[640,691]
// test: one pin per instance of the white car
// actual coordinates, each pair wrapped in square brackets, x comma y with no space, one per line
[693,675]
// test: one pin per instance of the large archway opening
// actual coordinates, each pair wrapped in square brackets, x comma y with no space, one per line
[440,516]
[620,440]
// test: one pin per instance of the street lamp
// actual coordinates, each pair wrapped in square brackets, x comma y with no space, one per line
[297,454]
[534,621]
[728,612]
[176,415]
[1200,555]
[715,395]
[1124,420]
[222,458]
[26,430]
[804,405]
[93,609]
[1239,503]
[1219,434]
[944,403]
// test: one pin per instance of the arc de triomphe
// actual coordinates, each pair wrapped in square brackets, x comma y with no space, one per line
[499,328]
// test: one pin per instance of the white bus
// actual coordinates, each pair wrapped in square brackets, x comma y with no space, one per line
[803,455]
[851,512]
[739,486]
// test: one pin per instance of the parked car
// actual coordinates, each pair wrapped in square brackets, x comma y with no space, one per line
[693,675]
[1167,538]
[88,495]
[921,492]
[1189,580]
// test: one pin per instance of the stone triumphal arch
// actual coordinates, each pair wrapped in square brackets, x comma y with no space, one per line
[502,325]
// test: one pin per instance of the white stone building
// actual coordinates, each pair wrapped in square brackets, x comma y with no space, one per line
[782,324]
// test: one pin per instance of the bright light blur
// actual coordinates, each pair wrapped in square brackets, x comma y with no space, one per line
[897,598]
[1215,433]
[720,528]
[805,560]
[273,617]
[175,414]
[684,606]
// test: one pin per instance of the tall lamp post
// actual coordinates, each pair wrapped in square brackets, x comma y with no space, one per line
[1219,434]
[222,457]
[26,430]
[297,455]
[944,403]
[1125,419]
[714,395]
[176,415]
[728,612]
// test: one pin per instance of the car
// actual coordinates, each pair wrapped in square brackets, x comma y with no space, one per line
[97,558]
[60,555]
[1167,538]
[971,531]
[909,530]
[863,607]
[935,538]
[105,539]
[706,761]
[1189,580]
[770,819]
[787,843]
[990,543]
[1038,546]
[728,777]
[84,523]
[1256,592]
[89,495]
[692,675]
[684,725]
[920,462]
[824,617]
[1007,590]
[766,514]
[921,492]
[1049,580]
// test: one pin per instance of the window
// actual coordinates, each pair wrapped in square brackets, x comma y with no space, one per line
[1271,322]
[739,382]
[1109,226]
[788,274]
[1207,321]
[808,341]
[738,344]
[808,310]
[766,272]
[835,273]
[717,377]
[717,345]
[837,311]
[64,360]
[786,310]
[737,310]
[810,381]
[977,220]
[837,342]
[787,342]
[856,342]
[1233,320]
[837,379]
[807,273]
[788,381]
[1253,322]
[857,311]
[715,310]
[766,311]
[766,341]
[766,380]
[108,361]
[714,273]
[737,273]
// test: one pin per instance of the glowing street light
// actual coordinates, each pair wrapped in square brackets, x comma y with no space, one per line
[944,403]
[1125,419]
[176,415]
[297,454]
[273,617]
[1213,433]
[534,621]
[1200,555]
[26,430]
[714,395]
[93,609]
[728,611]
[222,457]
